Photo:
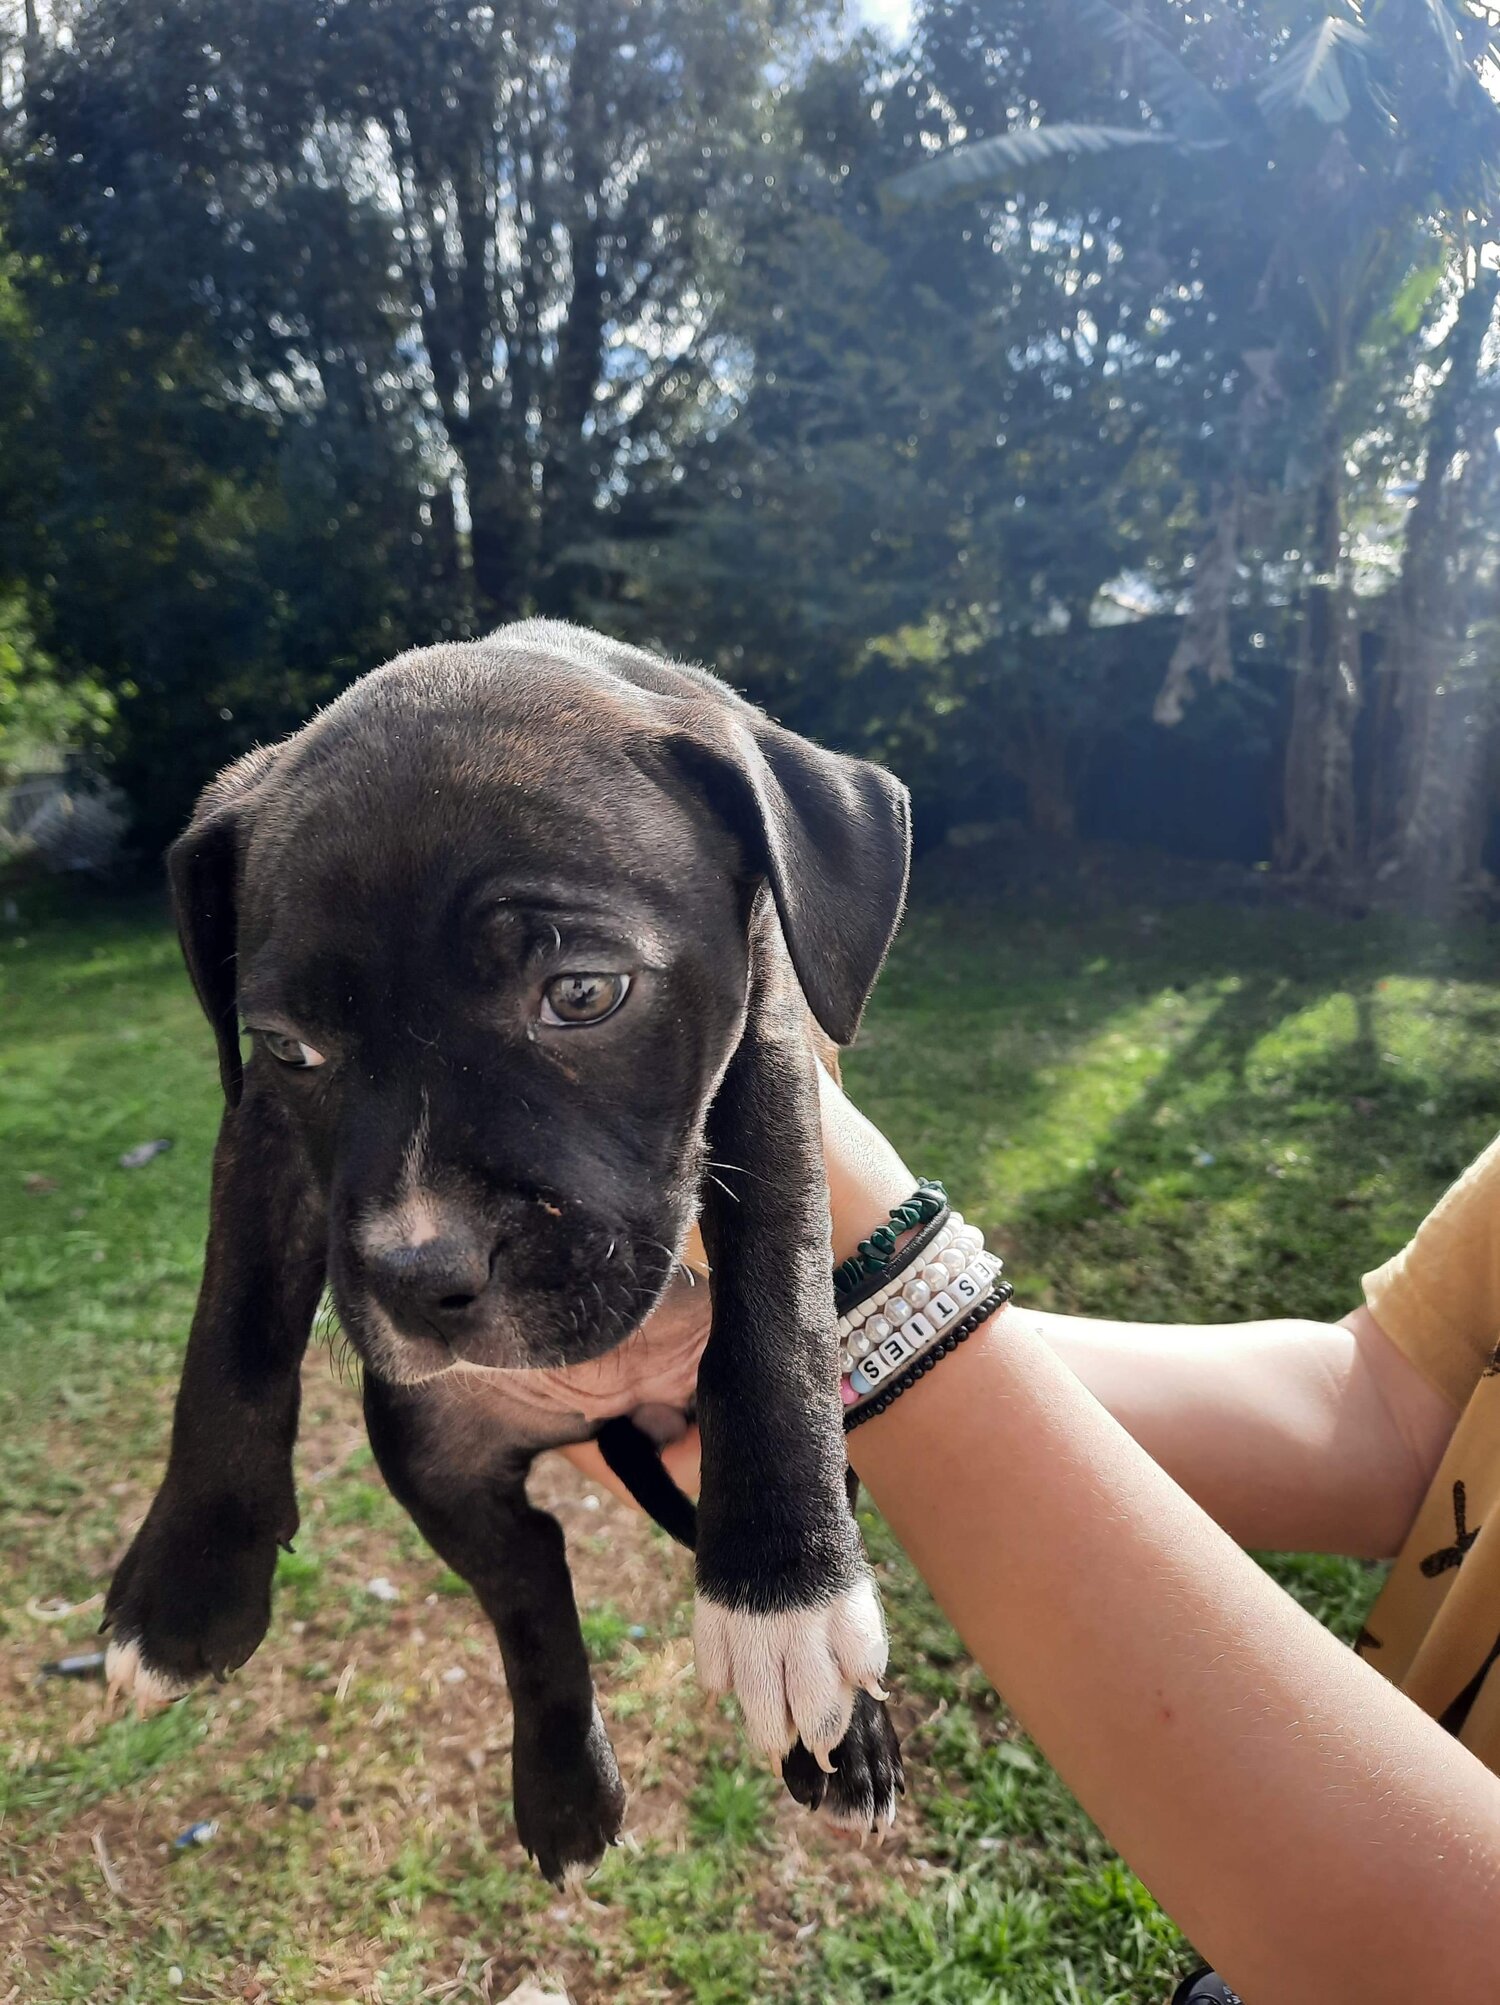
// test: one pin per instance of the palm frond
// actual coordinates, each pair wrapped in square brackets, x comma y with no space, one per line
[1446,33]
[986,164]
[1309,76]
[1184,101]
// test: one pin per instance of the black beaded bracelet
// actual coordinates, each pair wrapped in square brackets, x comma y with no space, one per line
[856,1416]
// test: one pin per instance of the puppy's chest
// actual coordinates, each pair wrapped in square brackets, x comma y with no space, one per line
[657,1367]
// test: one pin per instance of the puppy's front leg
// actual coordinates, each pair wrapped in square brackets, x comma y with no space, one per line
[787,1613]
[193,1593]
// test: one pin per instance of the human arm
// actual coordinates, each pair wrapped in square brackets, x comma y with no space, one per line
[1294,1435]
[1308,1435]
[1315,1833]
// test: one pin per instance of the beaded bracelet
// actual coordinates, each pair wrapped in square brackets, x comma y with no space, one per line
[916,1312]
[874,1254]
[892,1390]
[896,1328]
[877,1286]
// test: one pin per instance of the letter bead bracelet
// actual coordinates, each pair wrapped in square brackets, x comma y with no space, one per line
[903,1307]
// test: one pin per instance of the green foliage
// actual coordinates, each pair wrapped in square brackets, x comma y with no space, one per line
[954,436]
[606,1630]
[989,163]
[1309,77]
[898,389]
[730,1806]
[41,1796]
[687,1920]
[41,716]
[1329,160]
[372,314]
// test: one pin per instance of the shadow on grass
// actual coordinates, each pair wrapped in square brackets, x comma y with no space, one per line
[1229,1114]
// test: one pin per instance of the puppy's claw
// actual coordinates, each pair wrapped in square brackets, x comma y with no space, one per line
[859,1801]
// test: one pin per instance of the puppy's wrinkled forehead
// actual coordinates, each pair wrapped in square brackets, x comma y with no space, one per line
[394,798]
[438,826]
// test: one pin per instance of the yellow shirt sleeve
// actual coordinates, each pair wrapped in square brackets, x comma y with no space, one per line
[1438,1300]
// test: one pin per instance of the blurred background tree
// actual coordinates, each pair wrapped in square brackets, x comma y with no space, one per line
[1091,409]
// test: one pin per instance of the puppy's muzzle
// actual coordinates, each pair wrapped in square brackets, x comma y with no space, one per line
[515,1285]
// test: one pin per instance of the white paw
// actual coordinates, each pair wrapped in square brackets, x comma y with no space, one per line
[794,1673]
[128,1676]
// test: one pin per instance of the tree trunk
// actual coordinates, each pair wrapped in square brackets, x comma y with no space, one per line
[450,569]
[31,55]
[569,478]
[1319,834]
[1445,707]
[501,531]
[1051,811]
[1437,853]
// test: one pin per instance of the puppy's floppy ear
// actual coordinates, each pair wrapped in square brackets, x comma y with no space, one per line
[202,866]
[831,834]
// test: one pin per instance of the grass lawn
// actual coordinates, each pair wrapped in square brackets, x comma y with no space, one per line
[1202,1113]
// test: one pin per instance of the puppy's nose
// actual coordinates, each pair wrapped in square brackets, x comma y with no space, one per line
[435,1281]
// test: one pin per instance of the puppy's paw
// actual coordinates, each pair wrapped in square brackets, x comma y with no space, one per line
[860,1795]
[569,1806]
[131,1678]
[798,1672]
[192,1597]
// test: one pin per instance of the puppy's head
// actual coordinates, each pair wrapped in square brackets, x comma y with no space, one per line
[486,922]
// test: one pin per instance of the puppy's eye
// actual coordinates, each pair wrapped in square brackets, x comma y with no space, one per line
[290,1050]
[576,999]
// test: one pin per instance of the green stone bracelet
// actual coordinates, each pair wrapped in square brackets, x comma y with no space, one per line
[874,1254]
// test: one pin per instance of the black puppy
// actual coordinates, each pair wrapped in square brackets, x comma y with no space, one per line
[531,938]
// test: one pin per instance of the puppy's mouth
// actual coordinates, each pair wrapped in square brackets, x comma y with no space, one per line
[501,1329]
[396,1356]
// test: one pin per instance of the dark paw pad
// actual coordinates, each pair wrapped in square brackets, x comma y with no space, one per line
[569,1807]
[867,1777]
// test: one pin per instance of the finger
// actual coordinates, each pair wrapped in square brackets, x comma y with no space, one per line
[585,1457]
[683,1462]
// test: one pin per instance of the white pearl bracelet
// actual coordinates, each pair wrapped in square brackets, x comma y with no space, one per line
[945,1257]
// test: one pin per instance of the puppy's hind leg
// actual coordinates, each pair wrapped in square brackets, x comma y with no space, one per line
[465,1490]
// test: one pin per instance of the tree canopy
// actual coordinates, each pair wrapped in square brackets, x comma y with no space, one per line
[1089,408]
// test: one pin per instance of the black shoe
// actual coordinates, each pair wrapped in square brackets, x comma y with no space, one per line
[1205,1987]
